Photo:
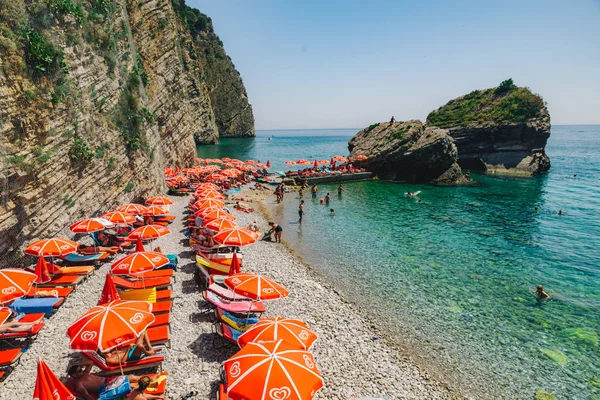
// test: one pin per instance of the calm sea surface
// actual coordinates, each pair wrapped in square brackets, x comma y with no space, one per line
[455,274]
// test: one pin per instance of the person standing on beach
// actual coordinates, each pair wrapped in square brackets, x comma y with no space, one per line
[313,191]
[301,211]
[277,229]
[340,190]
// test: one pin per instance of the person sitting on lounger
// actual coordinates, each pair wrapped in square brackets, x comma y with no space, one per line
[135,352]
[16,327]
[138,394]
[84,249]
[87,385]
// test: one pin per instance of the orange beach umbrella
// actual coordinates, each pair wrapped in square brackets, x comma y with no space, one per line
[303,162]
[109,291]
[255,287]
[236,237]
[132,208]
[206,185]
[107,326]
[5,313]
[155,211]
[211,213]
[52,247]
[360,157]
[119,218]
[139,262]
[219,224]
[14,283]
[273,370]
[209,203]
[159,201]
[91,225]
[48,386]
[292,331]
[290,163]
[149,232]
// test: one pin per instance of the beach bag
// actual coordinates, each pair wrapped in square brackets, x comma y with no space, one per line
[115,388]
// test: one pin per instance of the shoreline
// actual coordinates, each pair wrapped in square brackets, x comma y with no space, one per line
[383,331]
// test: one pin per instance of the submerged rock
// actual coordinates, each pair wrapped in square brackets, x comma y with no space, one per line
[555,355]
[544,395]
[501,130]
[408,151]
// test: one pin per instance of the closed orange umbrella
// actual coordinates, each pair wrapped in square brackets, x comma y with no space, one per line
[91,225]
[209,203]
[107,326]
[159,201]
[52,247]
[291,331]
[42,275]
[119,218]
[132,208]
[235,267]
[219,224]
[148,232]
[48,386]
[139,262]
[236,237]
[255,287]
[211,214]
[14,283]
[272,371]
[109,291]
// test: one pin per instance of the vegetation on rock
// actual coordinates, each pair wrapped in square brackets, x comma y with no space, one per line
[505,104]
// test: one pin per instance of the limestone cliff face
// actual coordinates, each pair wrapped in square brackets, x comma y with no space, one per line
[233,113]
[501,131]
[96,98]
[408,151]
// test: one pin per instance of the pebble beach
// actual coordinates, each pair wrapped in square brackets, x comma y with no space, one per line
[353,358]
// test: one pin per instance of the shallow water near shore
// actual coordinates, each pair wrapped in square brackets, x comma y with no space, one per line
[458,270]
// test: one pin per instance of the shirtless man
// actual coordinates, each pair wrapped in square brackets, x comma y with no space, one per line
[138,394]
[541,293]
[135,352]
[88,385]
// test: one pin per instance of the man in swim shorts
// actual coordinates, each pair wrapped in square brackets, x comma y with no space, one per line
[89,386]
[301,211]
[313,190]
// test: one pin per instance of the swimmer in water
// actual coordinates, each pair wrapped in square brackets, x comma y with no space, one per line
[409,194]
[536,208]
[331,212]
[560,212]
[541,293]
[327,199]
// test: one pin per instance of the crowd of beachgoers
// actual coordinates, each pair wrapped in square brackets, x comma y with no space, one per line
[213,310]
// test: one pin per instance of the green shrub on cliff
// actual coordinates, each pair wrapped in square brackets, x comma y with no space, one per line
[42,56]
[505,104]
[80,152]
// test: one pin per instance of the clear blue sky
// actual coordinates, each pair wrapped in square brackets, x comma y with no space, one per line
[334,64]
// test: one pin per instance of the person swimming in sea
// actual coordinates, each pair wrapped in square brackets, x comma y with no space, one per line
[560,212]
[409,194]
[327,199]
[331,211]
[340,190]
[542,295]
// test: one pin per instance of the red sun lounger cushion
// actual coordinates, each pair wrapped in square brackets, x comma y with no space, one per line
[21,335]
[162,307]
[9,357]
[161,319]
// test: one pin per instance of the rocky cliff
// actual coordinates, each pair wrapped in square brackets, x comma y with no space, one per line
[500,130]
[408,151]
[96,97]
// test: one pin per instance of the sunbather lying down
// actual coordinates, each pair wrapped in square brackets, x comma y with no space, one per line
[89,385]
[135,352]
[84,249]
[16,327]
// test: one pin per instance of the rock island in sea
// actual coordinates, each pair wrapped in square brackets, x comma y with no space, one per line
[501,130]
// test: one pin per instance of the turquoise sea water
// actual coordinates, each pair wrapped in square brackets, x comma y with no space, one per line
[456,273]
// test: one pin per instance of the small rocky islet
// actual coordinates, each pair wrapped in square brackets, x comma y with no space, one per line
[501,130]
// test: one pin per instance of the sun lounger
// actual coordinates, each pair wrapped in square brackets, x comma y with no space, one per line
[150,295]
[234,306]
[57,270]
[106,369]
[62,281]
[46,305]
[225,293]
[30,318]
[23,335]
[142,283]
[156,390]
[161,319]
[227,332]
[10,357]
[49,292]
[237,322]
[78,259]
[162,273]
[162,307]
[159,335]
